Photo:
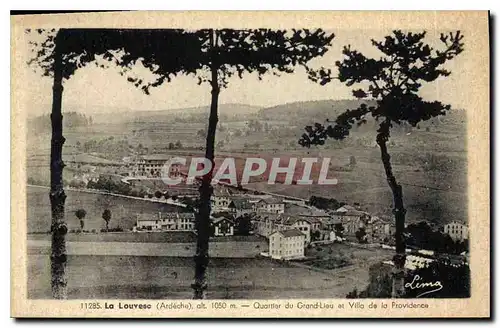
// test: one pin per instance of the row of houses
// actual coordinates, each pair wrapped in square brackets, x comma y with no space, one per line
[273,217]
[170,221]
[222,225]
[376,228]
[345,221]
[223,200]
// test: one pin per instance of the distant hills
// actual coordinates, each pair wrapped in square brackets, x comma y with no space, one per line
[306,110]
[195,114]
[295,112]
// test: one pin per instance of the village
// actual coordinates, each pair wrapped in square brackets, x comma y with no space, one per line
[283,165]
[289,225]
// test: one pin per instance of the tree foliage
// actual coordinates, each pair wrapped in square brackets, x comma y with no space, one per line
[244,224]
[170,52]
[212,56]
[106,216]
[422,236]
[393,81]
[80,213]
[124,47]
[454,278]
[361,235]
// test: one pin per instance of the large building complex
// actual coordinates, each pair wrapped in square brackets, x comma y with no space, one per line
[286,244]
[457,230]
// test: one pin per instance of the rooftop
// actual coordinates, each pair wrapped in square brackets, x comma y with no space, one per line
[456,222]
[350,213]
[165,215]
[221,192]
[309,211]
[223,214]
[290,233]
[271,217]
[270,200]
[223,218]
[345,208]
[241,203]
[156,157]
[292,219]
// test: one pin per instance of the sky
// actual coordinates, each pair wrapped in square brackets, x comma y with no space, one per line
[94,89]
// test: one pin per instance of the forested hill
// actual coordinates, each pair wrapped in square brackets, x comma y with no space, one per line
[41,124]
[307,112]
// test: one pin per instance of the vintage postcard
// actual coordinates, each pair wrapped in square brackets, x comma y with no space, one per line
[251,164]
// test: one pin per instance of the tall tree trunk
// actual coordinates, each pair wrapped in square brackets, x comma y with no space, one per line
[206,190]
[57,195]
[398,288]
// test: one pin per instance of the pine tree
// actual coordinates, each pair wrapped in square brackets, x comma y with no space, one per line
[213,56]
[393,81]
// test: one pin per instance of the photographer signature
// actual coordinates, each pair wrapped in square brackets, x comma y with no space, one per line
[415,284]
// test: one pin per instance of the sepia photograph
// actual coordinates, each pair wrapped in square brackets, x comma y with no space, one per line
[301,162]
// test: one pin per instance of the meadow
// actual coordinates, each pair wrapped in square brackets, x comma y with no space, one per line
[141,277]
[123,210]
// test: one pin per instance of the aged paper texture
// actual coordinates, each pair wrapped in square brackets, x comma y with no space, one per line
[250,164]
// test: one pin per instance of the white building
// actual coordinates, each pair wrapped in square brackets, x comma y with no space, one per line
[172,221]
[152,166]
[457,231]
[220,200]
[240,206]
[286,244]
[269,205]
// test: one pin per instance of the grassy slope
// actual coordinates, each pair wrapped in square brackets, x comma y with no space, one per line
[123,210]
[128,277]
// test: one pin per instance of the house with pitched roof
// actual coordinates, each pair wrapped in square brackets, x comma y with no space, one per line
[316,217]
[297,223]
[221,198]
[223,224]
[379,229]
[269,205]
[351,218]
[170,221]
[240,206]
[266,224]
[287,244]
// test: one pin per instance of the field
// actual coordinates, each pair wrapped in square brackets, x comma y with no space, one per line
[428,194]
[155,277]
[123,210]
[127,277]
[125,237]
[219,249]
[357,255]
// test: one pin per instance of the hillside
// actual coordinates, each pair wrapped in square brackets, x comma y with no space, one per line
[307,112]
[320,109]
[193,114]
